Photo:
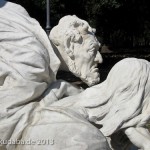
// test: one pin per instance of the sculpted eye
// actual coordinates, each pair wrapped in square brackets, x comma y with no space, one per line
[91,51]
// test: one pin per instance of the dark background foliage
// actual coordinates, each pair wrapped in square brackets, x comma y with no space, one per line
[122,25]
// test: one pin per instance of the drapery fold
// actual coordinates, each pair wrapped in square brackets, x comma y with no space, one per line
[28,65]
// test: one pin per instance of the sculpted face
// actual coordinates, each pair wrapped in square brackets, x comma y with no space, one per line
[78,48]
[86,59]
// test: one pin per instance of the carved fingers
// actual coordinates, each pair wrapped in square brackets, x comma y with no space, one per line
[140,137]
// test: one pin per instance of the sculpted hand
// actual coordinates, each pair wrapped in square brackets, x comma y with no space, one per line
[140,137]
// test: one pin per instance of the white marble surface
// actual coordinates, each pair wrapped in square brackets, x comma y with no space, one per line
[28,66]
[75,42]
[31,100]
[139,136]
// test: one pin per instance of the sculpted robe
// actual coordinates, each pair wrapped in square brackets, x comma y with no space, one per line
[28,66]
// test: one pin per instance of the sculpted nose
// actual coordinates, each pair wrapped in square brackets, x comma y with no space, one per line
[98,58]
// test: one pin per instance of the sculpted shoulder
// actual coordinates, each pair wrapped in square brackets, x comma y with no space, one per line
[13,7]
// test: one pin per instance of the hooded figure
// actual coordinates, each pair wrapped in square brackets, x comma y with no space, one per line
[28,67]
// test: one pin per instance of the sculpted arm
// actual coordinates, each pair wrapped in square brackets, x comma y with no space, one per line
[59,89]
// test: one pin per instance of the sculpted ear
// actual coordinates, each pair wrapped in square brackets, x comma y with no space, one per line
[68,45]
[70,38]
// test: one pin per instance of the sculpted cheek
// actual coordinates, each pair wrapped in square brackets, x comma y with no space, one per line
[86,59]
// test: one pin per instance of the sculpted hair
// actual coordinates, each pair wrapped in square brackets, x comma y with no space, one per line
[123,99]
[69,27]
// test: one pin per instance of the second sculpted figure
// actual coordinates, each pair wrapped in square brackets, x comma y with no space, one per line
[119,104]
